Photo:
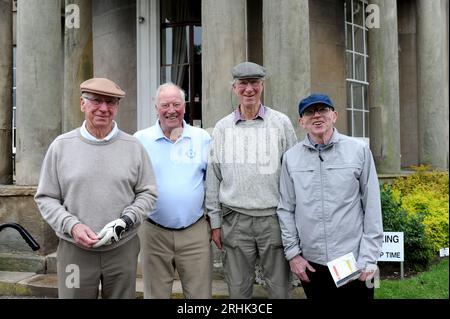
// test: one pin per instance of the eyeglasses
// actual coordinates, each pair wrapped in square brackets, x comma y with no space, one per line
[242,84]
[97,101]
[320,111]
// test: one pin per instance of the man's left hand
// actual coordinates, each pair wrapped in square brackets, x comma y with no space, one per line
[111,233]
[368,273]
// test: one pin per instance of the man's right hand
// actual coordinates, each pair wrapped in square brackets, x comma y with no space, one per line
[84,236]
[215,234]
[298,266]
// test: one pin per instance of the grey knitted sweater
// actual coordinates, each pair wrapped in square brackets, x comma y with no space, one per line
[244,164]
[94,183]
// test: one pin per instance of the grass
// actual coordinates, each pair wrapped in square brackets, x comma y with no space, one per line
[432,284]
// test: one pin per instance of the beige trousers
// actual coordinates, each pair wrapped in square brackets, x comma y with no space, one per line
[81,271]
[188,251]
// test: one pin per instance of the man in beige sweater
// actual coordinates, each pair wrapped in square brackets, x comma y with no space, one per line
[96,185]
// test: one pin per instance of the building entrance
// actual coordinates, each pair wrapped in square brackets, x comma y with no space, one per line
[181,52]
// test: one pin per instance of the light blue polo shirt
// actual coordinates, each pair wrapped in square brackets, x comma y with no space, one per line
[180,169]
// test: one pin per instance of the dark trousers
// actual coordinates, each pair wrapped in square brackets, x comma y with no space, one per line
[322,286]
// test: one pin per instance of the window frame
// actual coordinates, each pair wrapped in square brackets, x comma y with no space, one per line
[352,79]
[14,96]
[193,99]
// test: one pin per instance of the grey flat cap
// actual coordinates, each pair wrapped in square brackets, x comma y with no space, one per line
[248,70]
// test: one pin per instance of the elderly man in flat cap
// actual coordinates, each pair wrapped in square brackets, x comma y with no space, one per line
[95,187]
[242,187]
[329,205]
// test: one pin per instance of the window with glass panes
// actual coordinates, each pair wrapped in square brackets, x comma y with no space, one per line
[181,52]
[356,60]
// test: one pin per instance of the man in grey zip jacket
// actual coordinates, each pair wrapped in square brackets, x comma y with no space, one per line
[329,204]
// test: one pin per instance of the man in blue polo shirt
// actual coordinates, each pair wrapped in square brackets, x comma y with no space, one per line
[176,235]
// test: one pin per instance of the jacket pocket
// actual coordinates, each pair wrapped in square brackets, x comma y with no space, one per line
[275,231]
[304,179]
[350,168]
[230,229]
[345,177]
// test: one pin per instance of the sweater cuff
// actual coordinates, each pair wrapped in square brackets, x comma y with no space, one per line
[215,220]
[69,226]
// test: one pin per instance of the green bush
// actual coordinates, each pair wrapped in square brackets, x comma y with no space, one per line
[417,247]
[426,193]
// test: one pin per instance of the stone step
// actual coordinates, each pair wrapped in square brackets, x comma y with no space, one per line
[47,264]
[28,284]
[51,267]
[23,262]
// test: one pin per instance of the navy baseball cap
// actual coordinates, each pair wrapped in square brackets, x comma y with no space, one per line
[315,98]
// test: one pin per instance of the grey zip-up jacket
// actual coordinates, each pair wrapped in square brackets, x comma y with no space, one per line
[330,202]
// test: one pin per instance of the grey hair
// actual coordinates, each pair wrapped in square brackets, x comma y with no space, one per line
[168,85]
[235,80]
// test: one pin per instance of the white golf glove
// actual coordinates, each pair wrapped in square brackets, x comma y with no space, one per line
[111,233]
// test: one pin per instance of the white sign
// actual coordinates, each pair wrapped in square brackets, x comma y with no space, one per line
[392,249]
[443,252]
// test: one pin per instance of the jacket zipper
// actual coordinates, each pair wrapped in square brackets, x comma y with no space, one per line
[323,206]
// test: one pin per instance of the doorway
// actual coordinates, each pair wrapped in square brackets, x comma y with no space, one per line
[181,52]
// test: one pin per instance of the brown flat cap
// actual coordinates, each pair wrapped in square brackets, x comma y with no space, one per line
[102,86]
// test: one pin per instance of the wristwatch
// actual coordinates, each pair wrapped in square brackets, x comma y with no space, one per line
[129,223]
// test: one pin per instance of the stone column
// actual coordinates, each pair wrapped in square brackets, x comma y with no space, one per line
[286,54]
[39,84]
[114,38]
[78,62]
[6,65]
[224,45]
[384,93]
[407,58]
[433,103]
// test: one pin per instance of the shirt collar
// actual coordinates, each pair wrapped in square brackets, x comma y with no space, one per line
[334,138]
[85,133]
[160,134]
[238,115]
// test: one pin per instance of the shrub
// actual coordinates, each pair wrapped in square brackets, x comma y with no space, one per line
[417,247]
[426,193]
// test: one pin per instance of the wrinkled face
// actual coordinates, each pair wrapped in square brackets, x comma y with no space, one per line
[99,110]
[249,91]
[318,120]
[171,108]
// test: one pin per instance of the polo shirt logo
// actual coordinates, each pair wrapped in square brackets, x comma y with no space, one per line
[190,153]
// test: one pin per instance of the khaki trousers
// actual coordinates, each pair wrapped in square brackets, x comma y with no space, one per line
[245,238]
[81,271]
[188,251]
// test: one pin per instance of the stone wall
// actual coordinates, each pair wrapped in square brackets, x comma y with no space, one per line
[17,206]
[327,41]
